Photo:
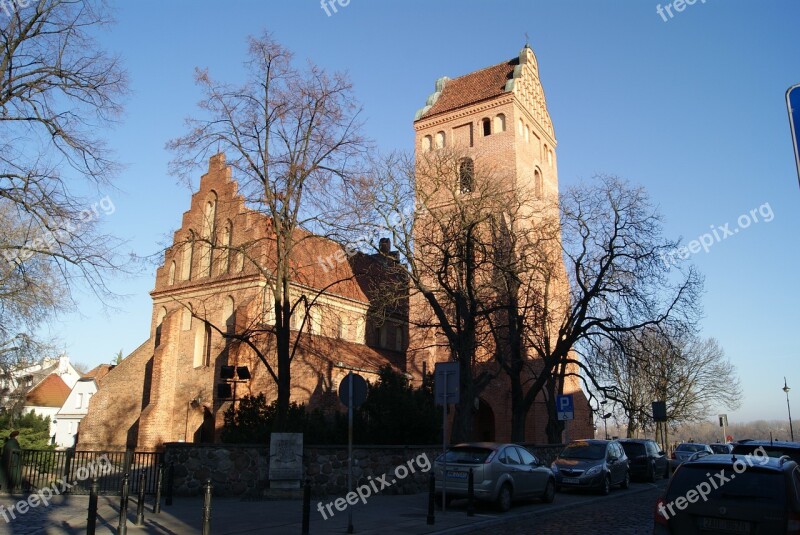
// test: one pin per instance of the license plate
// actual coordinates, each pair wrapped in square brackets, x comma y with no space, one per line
[723,524]
[456,475]
[570,480]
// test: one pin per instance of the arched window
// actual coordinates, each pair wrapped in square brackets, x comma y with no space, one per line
[527,134]
[521,127]
[466,175]
[207,235]
[186,318]
[171,274]
[538,186]
[202,346]
[187,257]
[545,150]
[499,123]
[550,157]
[440,140]
[225,251]
[487,127]
[427,143]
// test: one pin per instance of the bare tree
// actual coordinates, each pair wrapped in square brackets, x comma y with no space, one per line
[292,137]
[610,238]
[691,374]
[58,91]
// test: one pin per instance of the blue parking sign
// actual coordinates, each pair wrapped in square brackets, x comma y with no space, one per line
[565,407]
[793,105]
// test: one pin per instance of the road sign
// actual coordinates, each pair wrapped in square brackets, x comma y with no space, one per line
[723,420]
[793,105]
[445,382]
[564,407]
[659,411]
[359,390]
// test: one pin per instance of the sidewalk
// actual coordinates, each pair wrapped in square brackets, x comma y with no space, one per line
[380,515]
[383,515]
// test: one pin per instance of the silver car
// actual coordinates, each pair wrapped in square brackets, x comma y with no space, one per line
[501,473]
[685,450]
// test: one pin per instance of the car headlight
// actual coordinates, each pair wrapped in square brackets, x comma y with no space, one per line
[593,471]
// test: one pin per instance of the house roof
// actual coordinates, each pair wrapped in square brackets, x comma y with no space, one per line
[472,88]
[51,392]
[98,372]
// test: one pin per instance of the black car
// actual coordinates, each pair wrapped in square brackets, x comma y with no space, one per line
[647,460]
[731,494]
[774,448]
[592,464]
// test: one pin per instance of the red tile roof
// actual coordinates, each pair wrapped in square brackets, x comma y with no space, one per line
[51,392]
[99,372]
[474,87]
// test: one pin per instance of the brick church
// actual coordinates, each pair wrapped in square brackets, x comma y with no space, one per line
[167,390]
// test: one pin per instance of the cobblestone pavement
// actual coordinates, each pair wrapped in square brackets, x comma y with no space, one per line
[624,514]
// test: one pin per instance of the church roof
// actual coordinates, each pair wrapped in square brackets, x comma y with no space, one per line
[471,88]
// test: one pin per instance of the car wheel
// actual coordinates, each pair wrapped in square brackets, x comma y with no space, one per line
[626,482]
[504,498]
[606,488]
[652,476]
[549,492]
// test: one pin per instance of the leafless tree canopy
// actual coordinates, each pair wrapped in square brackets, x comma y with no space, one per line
[292,137]
[691,374]
[58,91]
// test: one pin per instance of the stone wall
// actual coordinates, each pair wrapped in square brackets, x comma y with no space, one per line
[243,470]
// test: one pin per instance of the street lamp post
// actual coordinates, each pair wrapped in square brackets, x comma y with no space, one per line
[606,416]
[789,408]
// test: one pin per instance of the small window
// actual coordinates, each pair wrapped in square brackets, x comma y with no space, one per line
[527,134]
[171,275]
[339,327]
[79,401]
[440,140]
[466,175]
[550,157]
[521,127]
[427,143]
[511,456]
[499,123]
[487,127]
[538,185]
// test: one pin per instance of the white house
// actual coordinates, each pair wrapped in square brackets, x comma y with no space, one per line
[68,418]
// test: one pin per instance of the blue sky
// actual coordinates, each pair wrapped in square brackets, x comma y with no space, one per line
[692,108]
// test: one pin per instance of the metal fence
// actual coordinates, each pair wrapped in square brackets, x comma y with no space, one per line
[71,471]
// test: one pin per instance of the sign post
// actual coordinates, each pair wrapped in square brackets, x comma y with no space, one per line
[446,377]
[793,106]
[566,411]
[352,392]
[723,423]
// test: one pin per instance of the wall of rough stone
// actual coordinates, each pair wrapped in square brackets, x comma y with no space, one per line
[243,470]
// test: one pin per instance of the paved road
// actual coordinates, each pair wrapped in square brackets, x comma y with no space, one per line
[621,513]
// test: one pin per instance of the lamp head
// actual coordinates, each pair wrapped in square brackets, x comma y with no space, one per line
[785,387]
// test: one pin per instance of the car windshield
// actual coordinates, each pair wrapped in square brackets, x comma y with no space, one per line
[719,448]
[584,450]
[753,484]
[690,447]
[467,455]
[633,449]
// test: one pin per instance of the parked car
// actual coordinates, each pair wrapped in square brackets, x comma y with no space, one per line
[647,460]
[501,473]
[711,494]
[685,450]
[721,448]
[774,448]
[592,464]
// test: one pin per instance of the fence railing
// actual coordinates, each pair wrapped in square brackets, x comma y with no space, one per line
[71,471]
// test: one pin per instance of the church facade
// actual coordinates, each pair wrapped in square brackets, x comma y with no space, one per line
[167,389]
